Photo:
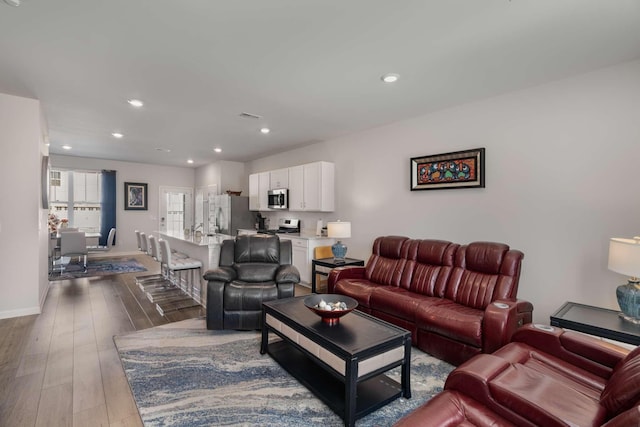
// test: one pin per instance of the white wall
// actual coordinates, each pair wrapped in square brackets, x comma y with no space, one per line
[155,176]
[560,181]
[23,237]
[225,174]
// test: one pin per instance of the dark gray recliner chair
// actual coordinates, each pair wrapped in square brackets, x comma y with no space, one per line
[253,269]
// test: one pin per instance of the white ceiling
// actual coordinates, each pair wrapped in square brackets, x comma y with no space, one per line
[310,68]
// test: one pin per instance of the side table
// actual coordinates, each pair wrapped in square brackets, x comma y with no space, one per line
[597,321]
[329,263]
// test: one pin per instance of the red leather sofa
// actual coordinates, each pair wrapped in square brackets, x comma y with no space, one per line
[457,301]
[545,377]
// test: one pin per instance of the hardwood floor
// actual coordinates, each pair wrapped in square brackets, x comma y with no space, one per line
[61,368]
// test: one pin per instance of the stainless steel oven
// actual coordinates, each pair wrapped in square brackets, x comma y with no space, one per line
[278,199]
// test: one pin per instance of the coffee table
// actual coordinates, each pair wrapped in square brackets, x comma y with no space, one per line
[352,356]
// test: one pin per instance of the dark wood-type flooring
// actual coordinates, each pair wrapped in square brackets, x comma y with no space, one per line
[61,368]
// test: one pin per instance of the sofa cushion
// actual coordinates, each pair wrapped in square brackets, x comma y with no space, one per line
[623,389]
[546,364]
[399,302]
[387,261]
[545,400]
[431,267]
[452,320]
[483,273]
[257,248]
[358,289]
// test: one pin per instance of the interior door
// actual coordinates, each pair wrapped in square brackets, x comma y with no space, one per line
[176,209]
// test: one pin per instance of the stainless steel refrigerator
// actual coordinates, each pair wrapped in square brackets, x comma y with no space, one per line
[227,214]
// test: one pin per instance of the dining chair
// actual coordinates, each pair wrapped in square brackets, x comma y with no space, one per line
[74,243]
[110,239]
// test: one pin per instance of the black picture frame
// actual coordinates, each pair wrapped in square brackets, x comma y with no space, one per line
[458,169]
[135,196]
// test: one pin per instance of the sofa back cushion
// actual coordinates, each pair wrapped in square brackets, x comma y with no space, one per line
[484,272]
[623,388]
[387,261]
[257,248]
[429,266]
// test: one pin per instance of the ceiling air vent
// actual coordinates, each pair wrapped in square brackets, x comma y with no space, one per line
[250,116]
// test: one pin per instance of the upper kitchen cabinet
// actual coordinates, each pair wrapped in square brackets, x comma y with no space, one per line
[258,188]
[311,187]
[279,179]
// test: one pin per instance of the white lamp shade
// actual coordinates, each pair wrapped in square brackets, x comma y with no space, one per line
[624,256]
[339,229]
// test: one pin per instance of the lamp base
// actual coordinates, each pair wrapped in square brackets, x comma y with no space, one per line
[339,251]
[629,301]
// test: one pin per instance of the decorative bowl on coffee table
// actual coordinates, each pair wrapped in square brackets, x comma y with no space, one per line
[318,303]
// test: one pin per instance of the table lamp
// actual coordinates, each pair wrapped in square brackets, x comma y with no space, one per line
[624,258]
[339,230]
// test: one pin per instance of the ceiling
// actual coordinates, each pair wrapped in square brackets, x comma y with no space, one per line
[310,69]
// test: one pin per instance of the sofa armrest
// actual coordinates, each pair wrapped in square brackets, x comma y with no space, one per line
[584,351]
[348,272]
[215,304]
[452,409]
[220,274]
[501,319]
[287,274]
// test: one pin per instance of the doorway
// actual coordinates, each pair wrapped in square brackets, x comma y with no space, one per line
[176,209]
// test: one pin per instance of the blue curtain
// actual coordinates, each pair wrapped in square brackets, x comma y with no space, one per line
[107,204]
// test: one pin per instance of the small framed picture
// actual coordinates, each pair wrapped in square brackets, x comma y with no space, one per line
[135,196]
[459,169]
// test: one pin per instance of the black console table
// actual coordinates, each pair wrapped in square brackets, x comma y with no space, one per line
[597,321]
[330,263]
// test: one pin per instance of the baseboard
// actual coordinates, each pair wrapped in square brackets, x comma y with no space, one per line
[19,313]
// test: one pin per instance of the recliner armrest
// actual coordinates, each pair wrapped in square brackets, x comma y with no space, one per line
[287,274]
[347,272]
[501,319]
[221,274]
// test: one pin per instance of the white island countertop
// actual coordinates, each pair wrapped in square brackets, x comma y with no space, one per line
[205,240]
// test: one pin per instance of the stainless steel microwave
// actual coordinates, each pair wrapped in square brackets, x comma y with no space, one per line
[278,199]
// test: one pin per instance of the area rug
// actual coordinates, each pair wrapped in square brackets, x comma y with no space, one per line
[184,375]
[98,267]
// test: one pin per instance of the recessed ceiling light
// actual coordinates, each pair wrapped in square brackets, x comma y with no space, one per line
[217,150]
[135,103]
[265,130]
[390,78]
[14,3]
[66,147]
[190,161]
[117,135]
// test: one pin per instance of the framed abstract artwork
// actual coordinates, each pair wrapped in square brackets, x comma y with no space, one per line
[459,169]
[135,196]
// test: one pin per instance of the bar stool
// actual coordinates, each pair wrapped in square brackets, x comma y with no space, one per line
[179,265]
[148,279]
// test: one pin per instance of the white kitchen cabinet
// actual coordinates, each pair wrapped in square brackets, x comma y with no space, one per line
[279,179]
[302,253]
[258,188]
[311,187]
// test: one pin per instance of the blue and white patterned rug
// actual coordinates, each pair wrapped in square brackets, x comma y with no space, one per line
[184,375]
[98,267]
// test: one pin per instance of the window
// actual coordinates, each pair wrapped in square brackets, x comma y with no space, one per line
[75,196]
